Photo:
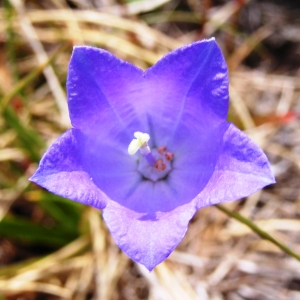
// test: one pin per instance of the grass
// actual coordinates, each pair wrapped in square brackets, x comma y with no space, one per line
[53,248]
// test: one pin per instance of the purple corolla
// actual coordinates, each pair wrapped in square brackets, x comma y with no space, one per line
[151,148]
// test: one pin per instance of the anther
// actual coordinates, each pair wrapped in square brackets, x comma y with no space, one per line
[162,149]
[169,156]
[160,165]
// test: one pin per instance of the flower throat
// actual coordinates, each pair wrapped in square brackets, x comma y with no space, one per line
[154,164]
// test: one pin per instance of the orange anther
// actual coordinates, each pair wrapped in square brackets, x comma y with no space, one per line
[162,149]
[169,156]
[160,165]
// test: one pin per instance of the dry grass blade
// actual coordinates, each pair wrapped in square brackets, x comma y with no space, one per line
[108,20]
[64,253]
[247,47]
[12,154]
[287,96]
[241,109]
[219,17]
[7,197]
[284,152]
[263,81]
[18,287]
[28,278]
[174,283]
[219,258]
[108,261]
[29,78]
[98,252]
[136,7]
[81,285]
[187,259]
[227,263]
[270,225]
[99,38]
[42,271]
[42,57]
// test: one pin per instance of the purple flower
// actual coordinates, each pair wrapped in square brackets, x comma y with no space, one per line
[189,156]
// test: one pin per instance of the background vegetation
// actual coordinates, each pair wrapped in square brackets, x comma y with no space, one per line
[53,248]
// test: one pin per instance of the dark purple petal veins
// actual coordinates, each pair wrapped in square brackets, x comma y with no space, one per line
[188,87]
[104,94]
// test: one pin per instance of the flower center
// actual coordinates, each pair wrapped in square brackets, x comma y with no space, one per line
[154,164]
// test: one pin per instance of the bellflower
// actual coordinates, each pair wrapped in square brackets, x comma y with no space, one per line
[151,148]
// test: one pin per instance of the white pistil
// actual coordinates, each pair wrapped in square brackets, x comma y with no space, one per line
[139,143]
[159,159]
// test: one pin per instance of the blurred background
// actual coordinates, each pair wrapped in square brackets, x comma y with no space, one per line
[53,248]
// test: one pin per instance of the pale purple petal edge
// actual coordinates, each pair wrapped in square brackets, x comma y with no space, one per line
[147,239]
[242,169]
[60,171]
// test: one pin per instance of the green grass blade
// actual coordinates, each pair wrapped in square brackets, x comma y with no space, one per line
[263,234]
[21,229]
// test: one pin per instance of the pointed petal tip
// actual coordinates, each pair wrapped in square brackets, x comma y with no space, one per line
[148,241]
[242,169]
[78,48]
[211,39]
[143,257]
[151,267]
[267,177]
[149,262]
[145,268]
[209,42]
[269,181]
[34,178]
[272,179]
[60,171]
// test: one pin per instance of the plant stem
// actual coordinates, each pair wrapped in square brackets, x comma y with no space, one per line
[263,234]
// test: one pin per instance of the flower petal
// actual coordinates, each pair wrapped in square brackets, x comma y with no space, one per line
[104,94]
[189,87]
[193,168]
[116,173]
[110,166]
[147,238]
[241,170]
[61,172]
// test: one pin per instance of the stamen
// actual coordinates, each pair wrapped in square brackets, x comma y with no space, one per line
[169,156]
[155,169]
[162,149]
[160,165]
[150,159]
[161,158]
